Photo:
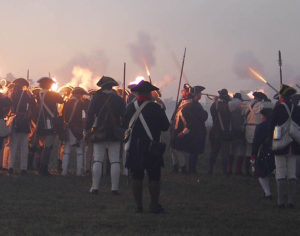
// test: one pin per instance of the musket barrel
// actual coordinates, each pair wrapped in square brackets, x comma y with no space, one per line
[272,87]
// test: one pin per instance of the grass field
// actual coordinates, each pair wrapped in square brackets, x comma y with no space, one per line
[195,205]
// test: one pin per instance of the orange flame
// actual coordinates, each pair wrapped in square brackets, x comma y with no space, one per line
[147,70]
[54,85]
[137,80]
[257,75]
[250,94]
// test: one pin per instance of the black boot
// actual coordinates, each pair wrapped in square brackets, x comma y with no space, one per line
[45,161]
[154,190]
[175,168]
[137,190]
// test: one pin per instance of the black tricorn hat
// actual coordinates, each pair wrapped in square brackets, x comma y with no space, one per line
[105,81]
[287,91]
[21,82]
[238,96]
[223,92]
[144,87]
[46,80]
[79,91]
[197,89]
[260,95]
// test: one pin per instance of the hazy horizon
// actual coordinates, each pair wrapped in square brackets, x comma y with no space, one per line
[76,39]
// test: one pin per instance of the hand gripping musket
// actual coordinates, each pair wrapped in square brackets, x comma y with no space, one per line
[280,64]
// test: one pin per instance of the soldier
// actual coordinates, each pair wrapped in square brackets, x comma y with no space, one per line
[180,143]
[33,164]
[88,146]
[285,157]
[237,144]
[146,120]
[220,131]
[65,92]
[105,114]
[46,121]
[262,156]
[198,129]
[73,119]
[252,119]
[22,105]
[5,105]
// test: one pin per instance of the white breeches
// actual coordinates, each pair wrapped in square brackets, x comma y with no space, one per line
[285,166]
[66,157]
[114,158]
[19,145]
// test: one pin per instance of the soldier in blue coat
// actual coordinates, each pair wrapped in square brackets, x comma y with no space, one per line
[139,156]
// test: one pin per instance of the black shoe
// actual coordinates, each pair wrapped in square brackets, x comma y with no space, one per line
[139,210]
[94,191]
[183,170]
[10,171]
[175,169]
[268,197]
[280,206]
[115,192]
[157,210]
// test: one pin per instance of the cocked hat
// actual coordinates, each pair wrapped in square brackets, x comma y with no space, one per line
[260,96]
[107,81]
[144,87]
[79,91]
[46,80]
[287,91]
[21,82]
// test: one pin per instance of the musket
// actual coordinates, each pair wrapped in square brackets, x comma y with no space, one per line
[180,78]
[210,96]
[298,86]
[280,64]
[150,79]
[124,80]
[27,74]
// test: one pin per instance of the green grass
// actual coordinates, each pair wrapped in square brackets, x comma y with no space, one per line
[195,205]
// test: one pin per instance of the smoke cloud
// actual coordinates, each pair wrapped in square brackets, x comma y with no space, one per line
[142,51]
[168,79]
[83,70]
[243,61]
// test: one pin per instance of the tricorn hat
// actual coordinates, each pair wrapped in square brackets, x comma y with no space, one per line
[46,80]
[224,94]
[21,82]
[197,89]
[287,91]
[105,81]
[260,95]
[238,96]
[79,91]
[144,87]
